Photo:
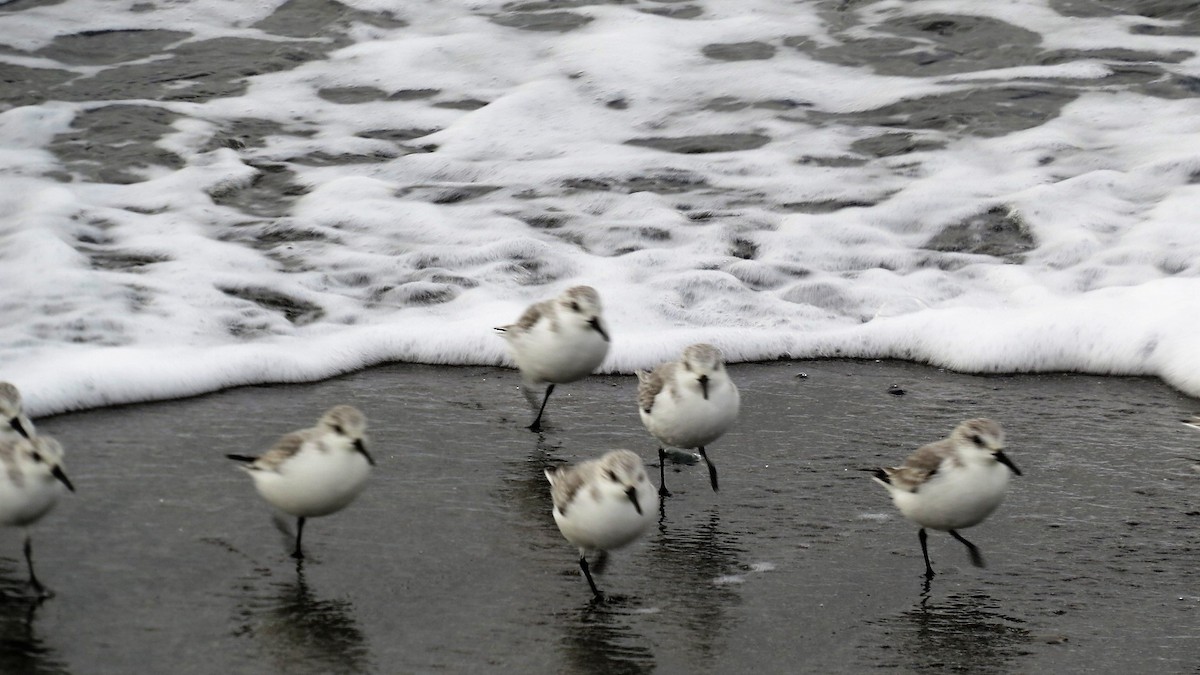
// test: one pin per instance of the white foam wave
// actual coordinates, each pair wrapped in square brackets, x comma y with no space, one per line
[444,170]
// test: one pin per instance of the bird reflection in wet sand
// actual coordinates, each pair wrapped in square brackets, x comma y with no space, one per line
[302,633]
[697,566]
[956,634]
[602,640]
[21,650]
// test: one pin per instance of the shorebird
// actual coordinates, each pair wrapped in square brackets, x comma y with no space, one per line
[557,341]
[12,413]
[953,483]
[688,404]
[30,482]
[314,472]
[602,504]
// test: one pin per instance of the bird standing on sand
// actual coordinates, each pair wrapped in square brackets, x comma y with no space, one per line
[30,482]
[557,341]
[602,504]
[314,472]
[688,404]
[953,483]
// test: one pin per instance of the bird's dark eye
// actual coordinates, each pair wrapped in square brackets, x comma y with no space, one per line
[337,429]
[37,458]
[977,439]
[611,475]
[575,306]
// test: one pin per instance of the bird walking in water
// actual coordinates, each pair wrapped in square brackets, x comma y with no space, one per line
[314,472]
[602,504]
[688,404]
[557,341]
[953,483]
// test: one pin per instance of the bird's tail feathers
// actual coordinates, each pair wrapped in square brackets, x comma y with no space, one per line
[880,476]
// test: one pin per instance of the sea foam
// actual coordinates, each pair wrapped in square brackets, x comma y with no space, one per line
[214,193]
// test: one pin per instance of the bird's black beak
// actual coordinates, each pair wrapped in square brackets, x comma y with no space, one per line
[58,473]
[1003,459]
[631,492]
[704,386]
[362,447]
[15,423]
[595,323]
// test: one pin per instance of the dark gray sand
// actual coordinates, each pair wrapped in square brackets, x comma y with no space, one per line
[166,560]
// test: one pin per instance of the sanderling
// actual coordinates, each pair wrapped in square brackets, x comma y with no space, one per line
[13,413]
[602,504]
[314,472]
[688,404]
[557,341]
[953,483]
[29,486]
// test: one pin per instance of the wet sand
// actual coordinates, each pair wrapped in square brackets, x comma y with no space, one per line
[166,560]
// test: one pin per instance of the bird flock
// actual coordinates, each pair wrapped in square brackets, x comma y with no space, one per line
[603,504]
[599,505]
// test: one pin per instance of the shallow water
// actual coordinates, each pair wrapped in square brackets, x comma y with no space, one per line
[165,558]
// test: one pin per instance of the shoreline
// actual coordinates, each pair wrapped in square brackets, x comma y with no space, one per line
[134,401]
[451,560]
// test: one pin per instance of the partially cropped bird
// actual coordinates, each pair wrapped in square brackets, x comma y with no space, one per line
[30,483]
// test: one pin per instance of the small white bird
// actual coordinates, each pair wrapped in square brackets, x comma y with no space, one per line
[30,483]
[12,413]
[314,472]
[688,404]
[557,341]
[953,483]
[602,504]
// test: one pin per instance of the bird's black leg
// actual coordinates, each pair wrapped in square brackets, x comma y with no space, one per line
[662,474]
[976,556]
[712,470]
[537,421]
[925,552]
[33,580]
[583,565]
[298,554]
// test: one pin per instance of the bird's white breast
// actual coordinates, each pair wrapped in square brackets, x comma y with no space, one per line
[25,500]
[608,522]
[689,420]
[957,496]
[314,482]
[571,353]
